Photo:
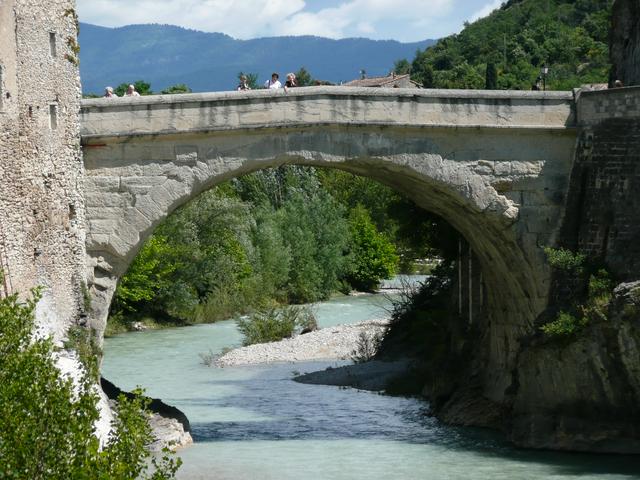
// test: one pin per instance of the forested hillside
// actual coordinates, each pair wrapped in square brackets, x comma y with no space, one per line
[507,49]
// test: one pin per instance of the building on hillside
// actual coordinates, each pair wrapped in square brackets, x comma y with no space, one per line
[42,221]
[390,81]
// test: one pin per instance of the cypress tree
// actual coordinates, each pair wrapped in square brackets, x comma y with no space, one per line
[491,77]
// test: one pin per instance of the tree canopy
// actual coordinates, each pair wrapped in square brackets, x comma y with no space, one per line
[570,37]
[286,235]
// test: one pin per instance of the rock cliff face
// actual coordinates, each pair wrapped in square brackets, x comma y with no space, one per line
[584,393]
[625,42]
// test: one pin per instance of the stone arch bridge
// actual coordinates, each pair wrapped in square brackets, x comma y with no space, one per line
[494,164]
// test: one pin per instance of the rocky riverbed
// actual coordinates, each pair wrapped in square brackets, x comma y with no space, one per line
[330,343]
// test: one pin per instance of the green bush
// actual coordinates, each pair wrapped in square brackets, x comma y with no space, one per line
[594,307]
[274,324]
[366,347]
[84,342]
[563,259]
[47,422]
[564,325]
[373,256]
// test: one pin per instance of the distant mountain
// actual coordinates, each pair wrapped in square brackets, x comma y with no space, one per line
[165,55]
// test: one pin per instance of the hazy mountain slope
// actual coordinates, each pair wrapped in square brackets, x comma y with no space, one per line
[165,55]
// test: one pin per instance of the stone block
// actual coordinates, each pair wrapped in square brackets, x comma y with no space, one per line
[102,183]
[502,168]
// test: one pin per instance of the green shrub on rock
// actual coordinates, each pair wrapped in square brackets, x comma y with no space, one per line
[564,325]
[594,308]
[563,259]
[47,421]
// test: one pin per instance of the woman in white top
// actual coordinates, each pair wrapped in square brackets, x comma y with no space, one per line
[131,91]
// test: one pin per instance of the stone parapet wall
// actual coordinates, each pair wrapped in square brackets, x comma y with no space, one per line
[593,107]
[41,205]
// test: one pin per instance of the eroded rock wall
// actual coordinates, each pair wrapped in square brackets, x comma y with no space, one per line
[41,206]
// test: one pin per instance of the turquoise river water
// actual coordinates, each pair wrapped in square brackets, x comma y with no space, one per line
[256,423]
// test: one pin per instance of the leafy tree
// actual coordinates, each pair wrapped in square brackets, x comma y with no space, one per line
[491,77]
[412,230]
[303,78]
[142,87]
[177,88]
[150,272]
[402,66]
[47,421]
[422,71]
[374,257]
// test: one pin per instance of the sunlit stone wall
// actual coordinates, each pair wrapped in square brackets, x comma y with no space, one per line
[41,206]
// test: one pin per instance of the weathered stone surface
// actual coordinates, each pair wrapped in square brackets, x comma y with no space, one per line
[583,393]
[42,223]
[604,200]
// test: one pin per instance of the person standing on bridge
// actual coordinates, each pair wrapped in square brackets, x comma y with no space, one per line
[291,81]
[274,83]
[244,83]
[131,91]
[108,93]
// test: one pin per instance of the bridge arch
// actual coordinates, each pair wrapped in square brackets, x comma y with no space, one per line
[494,166]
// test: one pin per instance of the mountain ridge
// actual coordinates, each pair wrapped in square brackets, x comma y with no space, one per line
[165,55]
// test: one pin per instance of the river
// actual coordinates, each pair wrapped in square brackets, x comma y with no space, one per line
[256,423]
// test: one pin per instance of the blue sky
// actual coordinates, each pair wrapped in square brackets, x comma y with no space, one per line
[404,20]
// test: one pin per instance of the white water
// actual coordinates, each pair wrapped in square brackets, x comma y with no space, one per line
[256,423]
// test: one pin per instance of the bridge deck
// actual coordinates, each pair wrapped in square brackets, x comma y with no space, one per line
[112,119]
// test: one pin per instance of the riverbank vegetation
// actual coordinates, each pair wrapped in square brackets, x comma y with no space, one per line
[288,235]
[47,421]
[508,48]
[274,324]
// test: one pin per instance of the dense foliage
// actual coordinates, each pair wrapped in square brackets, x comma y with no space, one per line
[47,422]
[507,49]
[142,87]
[373,256]
[278,236]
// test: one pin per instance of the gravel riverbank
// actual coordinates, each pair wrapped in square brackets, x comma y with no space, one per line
[328,343]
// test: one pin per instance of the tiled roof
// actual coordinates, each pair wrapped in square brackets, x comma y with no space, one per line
[375,81]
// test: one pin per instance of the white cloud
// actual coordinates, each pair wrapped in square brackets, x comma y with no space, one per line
[369,17]
[245,19]
[486,10]
[405,20]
